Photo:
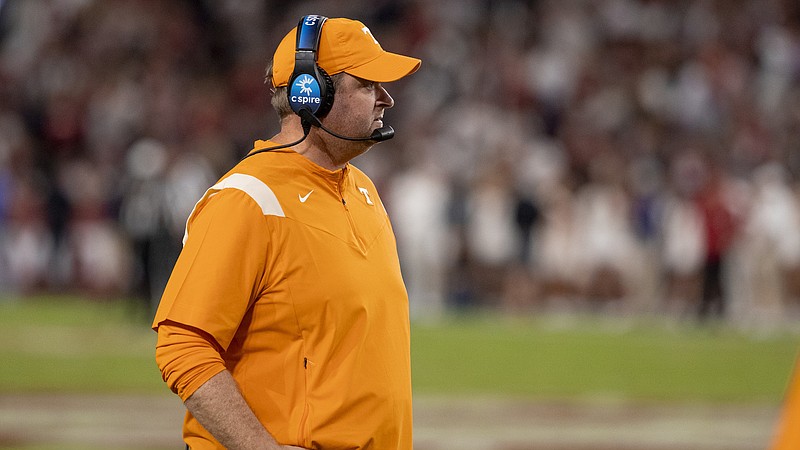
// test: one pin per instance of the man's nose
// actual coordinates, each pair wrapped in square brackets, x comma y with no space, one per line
[384,99]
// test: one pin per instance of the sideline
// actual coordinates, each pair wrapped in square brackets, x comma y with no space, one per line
[152,422]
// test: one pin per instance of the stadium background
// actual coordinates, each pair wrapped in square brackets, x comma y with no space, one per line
[625,159]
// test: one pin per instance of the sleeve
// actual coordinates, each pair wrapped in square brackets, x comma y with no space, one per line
[186,357]
[220,271]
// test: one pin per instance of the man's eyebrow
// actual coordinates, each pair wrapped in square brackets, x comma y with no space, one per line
[365,82]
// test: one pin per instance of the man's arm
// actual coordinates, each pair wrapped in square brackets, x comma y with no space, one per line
[220,408]
[193,368]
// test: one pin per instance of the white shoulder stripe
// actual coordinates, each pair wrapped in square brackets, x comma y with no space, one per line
[250,185]
[256,189]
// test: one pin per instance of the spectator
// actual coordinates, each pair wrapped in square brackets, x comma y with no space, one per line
[720,228]
[519,100]
[772,230]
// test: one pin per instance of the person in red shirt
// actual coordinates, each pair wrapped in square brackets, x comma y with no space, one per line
[720,226]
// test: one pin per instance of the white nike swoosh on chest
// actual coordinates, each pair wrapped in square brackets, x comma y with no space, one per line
[303,198]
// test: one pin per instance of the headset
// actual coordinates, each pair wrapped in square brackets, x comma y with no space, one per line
[310,90]
[310,87]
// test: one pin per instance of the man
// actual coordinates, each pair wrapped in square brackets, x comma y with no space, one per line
[285,321]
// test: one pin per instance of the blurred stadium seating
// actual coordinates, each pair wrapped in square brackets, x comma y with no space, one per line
[630,156]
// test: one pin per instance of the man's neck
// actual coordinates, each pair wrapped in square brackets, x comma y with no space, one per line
[314,147]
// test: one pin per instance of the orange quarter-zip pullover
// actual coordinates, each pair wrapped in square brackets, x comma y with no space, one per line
[289,278]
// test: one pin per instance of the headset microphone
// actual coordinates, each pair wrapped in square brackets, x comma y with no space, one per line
[381,134]
[378,135]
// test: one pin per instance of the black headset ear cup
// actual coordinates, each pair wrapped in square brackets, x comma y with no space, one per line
[328,95]
[326,90]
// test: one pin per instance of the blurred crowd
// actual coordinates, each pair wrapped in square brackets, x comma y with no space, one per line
[634,156]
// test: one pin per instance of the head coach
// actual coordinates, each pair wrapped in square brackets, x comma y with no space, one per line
[284,323]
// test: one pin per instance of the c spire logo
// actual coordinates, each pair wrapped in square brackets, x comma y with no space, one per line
[306,92]
[304,83]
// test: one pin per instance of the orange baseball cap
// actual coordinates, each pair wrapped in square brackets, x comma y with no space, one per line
[345,45]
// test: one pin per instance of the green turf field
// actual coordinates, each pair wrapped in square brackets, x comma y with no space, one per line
[603,358]
[69,345]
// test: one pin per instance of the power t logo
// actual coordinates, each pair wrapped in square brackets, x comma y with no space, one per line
[306,92]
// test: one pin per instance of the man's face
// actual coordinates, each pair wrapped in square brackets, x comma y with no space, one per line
[358,108]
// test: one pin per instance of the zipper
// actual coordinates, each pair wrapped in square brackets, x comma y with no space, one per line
[358,240]
[302,433]
[341,187]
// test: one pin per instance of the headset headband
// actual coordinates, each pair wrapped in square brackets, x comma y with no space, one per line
[309,31]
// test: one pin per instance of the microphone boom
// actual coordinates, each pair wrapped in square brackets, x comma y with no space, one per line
[383,133]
